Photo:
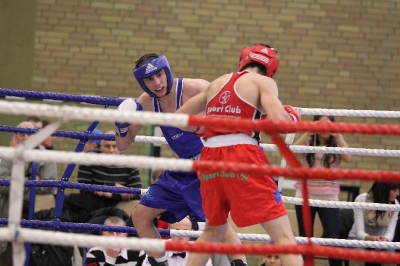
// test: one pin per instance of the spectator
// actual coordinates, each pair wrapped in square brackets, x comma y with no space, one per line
[376,225]
[37,123]
[397,232]
[271,260]
[48,142]
[92,144]
[320,189]
[180,258]
[99,256]
[110,176]
[45,171]
[155,174]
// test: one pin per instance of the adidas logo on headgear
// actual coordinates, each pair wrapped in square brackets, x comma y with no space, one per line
[150,68]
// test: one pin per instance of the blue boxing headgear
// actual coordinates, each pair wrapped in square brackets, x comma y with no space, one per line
[149,65]
[97,141]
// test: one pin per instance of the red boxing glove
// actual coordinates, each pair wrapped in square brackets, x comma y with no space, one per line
[294,114]
[199,131]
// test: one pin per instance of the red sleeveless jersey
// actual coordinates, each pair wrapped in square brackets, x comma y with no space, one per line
[227,103]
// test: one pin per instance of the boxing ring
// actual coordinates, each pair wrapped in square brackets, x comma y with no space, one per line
[20,231]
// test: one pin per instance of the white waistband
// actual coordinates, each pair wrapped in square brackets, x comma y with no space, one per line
[229,140]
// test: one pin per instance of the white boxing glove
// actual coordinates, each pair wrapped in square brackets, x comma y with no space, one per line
[121,129]
[130,104]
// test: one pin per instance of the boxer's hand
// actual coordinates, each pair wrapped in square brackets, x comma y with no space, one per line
[293,113]
[121,129]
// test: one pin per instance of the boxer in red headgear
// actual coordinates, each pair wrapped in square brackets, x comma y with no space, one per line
[251,199]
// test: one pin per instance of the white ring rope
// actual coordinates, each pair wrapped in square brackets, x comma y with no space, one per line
[302,111]
[22,153]
[348,113]
[299,148]
[101,159]
[84,240]
[150,139]
[65,113]
[300,240]
[160,163]
[343,204]
[336,150]
[158,245]
[171,119]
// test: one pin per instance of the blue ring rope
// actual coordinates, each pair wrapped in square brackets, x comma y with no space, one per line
[64,182]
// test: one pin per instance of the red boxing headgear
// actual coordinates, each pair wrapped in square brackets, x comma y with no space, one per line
[262,54]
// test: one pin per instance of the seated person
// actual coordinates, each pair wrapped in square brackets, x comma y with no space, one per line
[375,225]
[48,142]
[155,174]
[37,123]
[271,260]
[180,258]
[119,176]
[44,171]
[92,144]
[371,225]
[99,256]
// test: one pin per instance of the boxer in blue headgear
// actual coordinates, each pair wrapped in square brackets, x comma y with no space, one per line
[175,194]
[149,65]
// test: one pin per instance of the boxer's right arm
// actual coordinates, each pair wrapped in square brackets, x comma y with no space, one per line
[194,106]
